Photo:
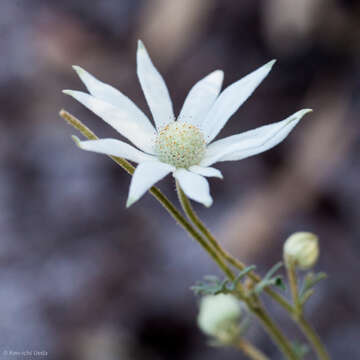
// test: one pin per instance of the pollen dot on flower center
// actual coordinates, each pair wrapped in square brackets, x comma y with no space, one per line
[180,144]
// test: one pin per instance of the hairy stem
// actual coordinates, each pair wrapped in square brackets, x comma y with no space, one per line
[291,273]
[313,338]
[211,251]
[250,350]
[275,333]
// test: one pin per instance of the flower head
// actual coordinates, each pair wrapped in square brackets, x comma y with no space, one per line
[219,316]
[302,249]
[182,146]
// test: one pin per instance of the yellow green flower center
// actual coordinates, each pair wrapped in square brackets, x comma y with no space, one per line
[180,144]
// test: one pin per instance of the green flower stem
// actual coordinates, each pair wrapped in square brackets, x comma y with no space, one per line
[275,333]
[313,338]
[250,350]
[165,202]
[291,273]
[297,314]
[306,328]
[206,246]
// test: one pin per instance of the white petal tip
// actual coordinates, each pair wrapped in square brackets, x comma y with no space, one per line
[218,75]
[67,92]
[208,203]
[271,63]
[218,175]
[141,45]
[76,140]
[77,68]
[130,201]
[301,113]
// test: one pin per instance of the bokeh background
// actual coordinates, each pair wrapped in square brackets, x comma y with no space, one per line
[82,277]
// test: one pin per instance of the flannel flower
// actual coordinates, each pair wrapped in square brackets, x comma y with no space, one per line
[184,146]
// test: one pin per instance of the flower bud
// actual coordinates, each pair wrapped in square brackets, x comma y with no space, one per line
[219,317]
[301,249]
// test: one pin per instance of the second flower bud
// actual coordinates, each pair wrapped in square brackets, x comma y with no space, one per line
[302,250]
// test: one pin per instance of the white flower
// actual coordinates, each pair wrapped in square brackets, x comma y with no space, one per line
[219,316]
[181,146]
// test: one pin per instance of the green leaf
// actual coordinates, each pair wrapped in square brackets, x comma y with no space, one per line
[310,281]
[212,285]
[273,270]
[232,286]
[270,280]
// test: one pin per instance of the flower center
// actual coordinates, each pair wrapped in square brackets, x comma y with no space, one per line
[180,144]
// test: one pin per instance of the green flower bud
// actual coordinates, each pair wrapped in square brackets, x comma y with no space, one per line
[301,249]
[219,317]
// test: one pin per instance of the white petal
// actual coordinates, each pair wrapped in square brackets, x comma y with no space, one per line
[120,119]
[114,147]
[154,88]
[206,171]
[200,98]
[194,186]
[144,177]
[231,99]
[251,142]
[113,96]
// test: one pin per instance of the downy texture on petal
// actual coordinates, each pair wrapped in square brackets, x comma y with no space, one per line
[231,99]
[145,176]
[251,142]
[206,171]
[113,96]
[194,186]
[120,119]
[200,98]
[115,148]
[154,88]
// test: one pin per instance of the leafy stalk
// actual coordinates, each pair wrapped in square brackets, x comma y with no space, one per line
[306,328]
[252,301]
[214,249]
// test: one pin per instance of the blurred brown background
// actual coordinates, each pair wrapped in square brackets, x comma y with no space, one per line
[82,277]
